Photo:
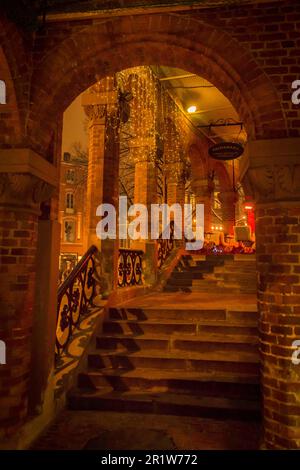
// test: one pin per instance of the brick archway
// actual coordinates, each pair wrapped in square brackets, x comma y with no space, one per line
[15,64]
[71,65]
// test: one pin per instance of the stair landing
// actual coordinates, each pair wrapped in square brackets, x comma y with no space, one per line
[194,300]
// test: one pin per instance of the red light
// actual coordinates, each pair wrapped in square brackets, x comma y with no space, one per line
[248,208]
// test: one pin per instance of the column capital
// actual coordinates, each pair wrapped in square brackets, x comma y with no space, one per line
[23,191]
[26,179]
[272,171]
[98,104]
[95,112]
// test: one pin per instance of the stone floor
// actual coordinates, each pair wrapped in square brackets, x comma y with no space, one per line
[76,430]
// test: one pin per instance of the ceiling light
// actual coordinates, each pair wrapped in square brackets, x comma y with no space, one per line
[192,109]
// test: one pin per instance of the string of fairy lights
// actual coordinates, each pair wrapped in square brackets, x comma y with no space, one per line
[156,129]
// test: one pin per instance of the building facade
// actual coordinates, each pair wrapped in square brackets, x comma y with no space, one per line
[72,209]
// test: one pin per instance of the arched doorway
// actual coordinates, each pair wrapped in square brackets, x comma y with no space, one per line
[106,47]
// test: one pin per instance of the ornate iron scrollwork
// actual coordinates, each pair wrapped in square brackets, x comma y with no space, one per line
[130,268]
[165,246]
[75,295]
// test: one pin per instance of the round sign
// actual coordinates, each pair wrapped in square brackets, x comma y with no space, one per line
[226,151]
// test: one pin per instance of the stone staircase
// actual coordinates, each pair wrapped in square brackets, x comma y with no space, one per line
[191,362]
[215,274]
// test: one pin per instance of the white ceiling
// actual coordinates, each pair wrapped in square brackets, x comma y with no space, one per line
[212,106]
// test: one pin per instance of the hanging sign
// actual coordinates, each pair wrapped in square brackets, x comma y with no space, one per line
[226,151]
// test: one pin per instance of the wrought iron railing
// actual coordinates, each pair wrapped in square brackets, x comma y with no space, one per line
[75,296]
[165,246]
[129,267]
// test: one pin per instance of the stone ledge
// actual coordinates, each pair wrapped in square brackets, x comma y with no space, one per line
[29,162]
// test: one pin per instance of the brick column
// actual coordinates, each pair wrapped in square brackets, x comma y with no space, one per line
[274,179]
[145,192]
[20,197]
[103,173]
[228,199]
[176,195]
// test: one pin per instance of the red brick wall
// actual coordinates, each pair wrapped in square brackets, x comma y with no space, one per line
[271,33]
[68,55]
[18,232]
[278,232]
[15,69]
[251,53]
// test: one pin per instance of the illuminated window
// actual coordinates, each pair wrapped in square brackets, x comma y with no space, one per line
[2,92]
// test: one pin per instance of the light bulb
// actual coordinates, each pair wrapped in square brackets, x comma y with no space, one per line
[192,109]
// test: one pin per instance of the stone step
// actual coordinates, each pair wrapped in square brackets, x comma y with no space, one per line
[200,343]
[236,268]
[220,287]
[214,287]
[157,359]
[246,314]
[186,275]
[179,327]
[230,277]
[231,385]
[169,288]
[163,403]
[179,282]
[242,315]
[163,313]
[197,269]
[227,280]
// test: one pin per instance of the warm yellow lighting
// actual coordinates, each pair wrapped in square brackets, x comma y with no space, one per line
[221,228]
[212,227]
[192,109]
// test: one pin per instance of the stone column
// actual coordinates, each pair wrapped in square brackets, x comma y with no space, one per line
[25,181]
[103,171]
[273,178]
[228,200]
